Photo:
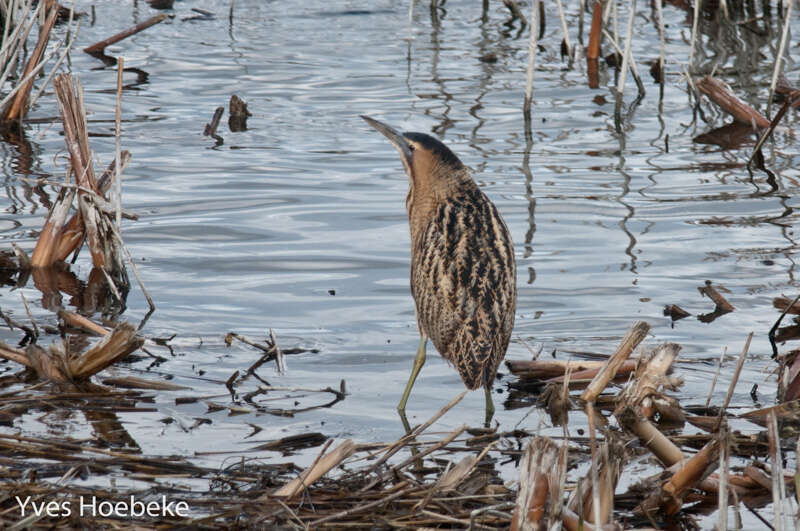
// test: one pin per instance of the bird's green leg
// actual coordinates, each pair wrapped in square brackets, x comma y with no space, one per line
[489,405]
[419,361]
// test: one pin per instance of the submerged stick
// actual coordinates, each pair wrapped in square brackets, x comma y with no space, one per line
[99,48]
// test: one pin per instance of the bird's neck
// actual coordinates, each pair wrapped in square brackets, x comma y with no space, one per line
[425,196]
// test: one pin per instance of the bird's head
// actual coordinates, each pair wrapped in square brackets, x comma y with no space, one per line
[429,164]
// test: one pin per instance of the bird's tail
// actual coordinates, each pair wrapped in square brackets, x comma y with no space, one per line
[477,364]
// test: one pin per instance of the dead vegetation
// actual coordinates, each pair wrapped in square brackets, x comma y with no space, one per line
[698,458]
[450,479]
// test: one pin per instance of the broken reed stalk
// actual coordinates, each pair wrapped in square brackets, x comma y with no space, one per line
[595,503]
[711,292]
[410,22]
[779,59]
[794,96]
[724,463]
[117,143]
[716,375]
[786,304]
[626,57]
[12,354]
[564,30]
[64,55]
[593,50]
[593,476]
[662,447]
[632,338]
[734,380]
[394,448]
[692,44]
[15,110]
[670,497]
[211,127]
[722,95]
[73,233]
[99,47]
[14,41]
[776,463]
[79,321]
[542,369]
[631,64]
[532,46]
[76,136]
[538,486]
[44,254]
[650,377]
[586,375]
[661,61]
[317,470]
[517,14]
[59,367]
[110,349]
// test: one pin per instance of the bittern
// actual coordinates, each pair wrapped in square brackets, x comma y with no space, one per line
[463,277]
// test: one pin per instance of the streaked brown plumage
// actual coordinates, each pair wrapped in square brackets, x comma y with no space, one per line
[463,276]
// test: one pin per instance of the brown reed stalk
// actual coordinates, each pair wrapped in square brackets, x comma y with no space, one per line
[16,109]
[593,50]
[99,47]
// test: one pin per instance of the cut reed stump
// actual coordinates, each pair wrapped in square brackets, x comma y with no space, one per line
[540,487]
[632,338]
[94,221]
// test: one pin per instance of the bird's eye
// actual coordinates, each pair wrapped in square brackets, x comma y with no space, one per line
[411,147]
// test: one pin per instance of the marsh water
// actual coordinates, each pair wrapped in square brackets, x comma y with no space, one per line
[298,224]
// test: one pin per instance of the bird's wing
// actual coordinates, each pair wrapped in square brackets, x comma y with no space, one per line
[463,282]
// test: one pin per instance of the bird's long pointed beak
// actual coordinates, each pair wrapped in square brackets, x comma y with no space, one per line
[395,137]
